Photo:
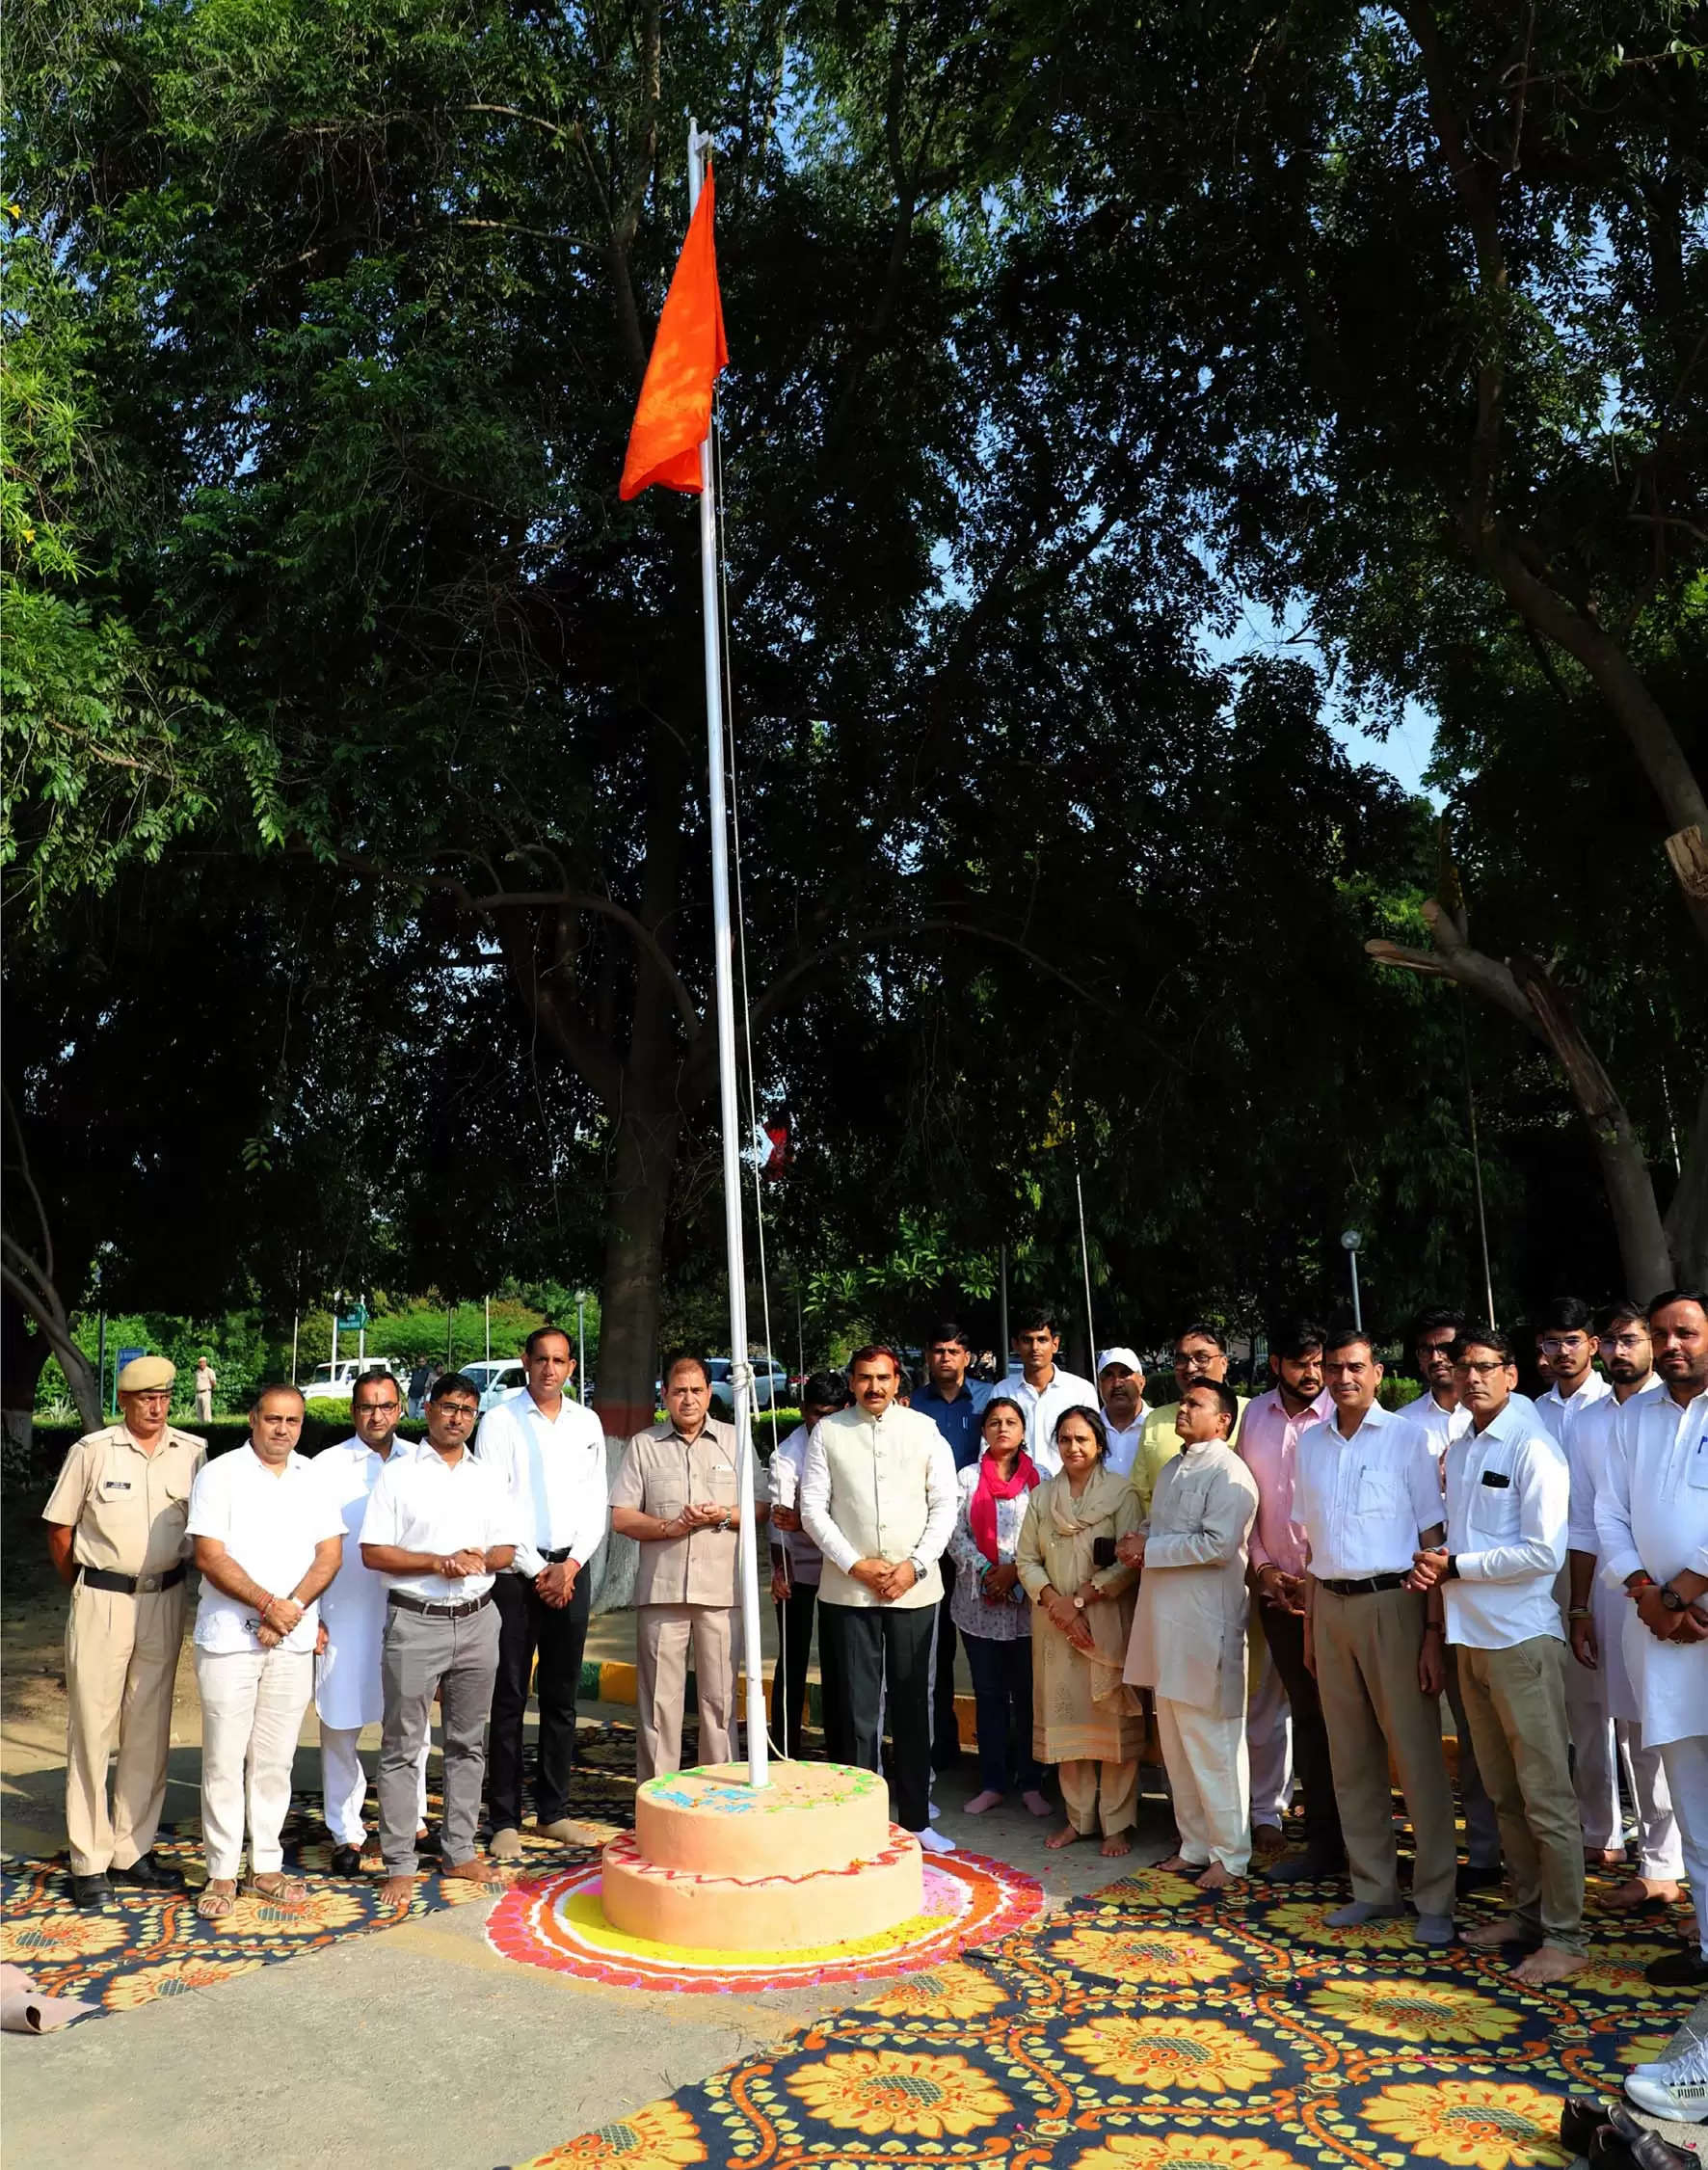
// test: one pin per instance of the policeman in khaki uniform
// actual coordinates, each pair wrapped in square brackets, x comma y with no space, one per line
[677,1493]
[116,1534]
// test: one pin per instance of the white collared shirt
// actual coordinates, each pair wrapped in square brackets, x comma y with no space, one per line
[1508,1498]
[1587,1457]
[554,1471]
[1066,1390]
[1442,1426]
[1363,1502]
[270,1524]
[1124,1445]
[1652,1513]
[1563,1414]
[788,1458]
[432,1504]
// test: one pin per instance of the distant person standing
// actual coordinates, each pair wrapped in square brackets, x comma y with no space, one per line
[116,1532]
[954,1405]
[420,1379]
[1043,1389]
[207,1380]
[549,1453]
[796,1562]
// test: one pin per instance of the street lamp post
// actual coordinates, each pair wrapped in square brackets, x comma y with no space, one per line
[581,1346]
[1349,1243]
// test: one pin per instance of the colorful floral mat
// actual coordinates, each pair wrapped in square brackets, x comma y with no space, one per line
[559,1924]
[1152,2028]
[156,1945]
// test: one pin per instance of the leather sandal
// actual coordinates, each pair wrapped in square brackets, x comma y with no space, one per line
[281,1890]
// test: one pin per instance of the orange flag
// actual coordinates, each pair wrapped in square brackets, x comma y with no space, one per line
[675,412]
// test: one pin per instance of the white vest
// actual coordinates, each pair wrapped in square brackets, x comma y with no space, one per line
[878,1498]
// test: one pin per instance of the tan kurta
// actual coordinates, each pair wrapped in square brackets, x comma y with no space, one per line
[1189,1628]
[1080,1709]
[660,1474]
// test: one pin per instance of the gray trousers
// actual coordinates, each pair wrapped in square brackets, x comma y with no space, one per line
[424,1655]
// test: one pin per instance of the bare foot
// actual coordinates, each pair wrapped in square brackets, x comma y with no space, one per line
[1549,1965]
[1638,1890]
[1488,1934]
[398,1890]
[1180,1865]
[486,1874]
[1037,1804]
[980,1802]
[1116,1844]
[1216,1878]
[1065,1836]
[1268,1839]
[1603,1857]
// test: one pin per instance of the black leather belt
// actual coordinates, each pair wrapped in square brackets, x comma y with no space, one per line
[409,1604]
[133,1586]
[1368,1587]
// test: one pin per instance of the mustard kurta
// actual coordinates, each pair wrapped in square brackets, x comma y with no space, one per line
[1080,1709]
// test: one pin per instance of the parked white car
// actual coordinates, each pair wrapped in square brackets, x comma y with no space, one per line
[333,1383]
[496,1378]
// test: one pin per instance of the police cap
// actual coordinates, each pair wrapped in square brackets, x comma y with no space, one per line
[145,1375]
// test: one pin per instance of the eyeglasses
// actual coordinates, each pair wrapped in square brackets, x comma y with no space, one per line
[1481,1371]
[1625,1341]
[1562,1344]
[1435,1347]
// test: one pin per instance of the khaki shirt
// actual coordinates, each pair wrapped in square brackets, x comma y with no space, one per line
[127,1507]
[661,1473]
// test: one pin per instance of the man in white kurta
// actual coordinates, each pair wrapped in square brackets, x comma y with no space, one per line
[347,1690]
[1652,1519]
[1597,1628]
[1188,1633]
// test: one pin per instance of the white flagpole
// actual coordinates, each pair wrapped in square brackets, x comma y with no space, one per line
[724,964]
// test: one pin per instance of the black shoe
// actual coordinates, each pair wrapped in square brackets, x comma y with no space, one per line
[431,1839]
[92,1894]
[147,1875]
[1679,1969]
[1477,1876]
[1303,1868]
[346,1860]
[1580,2120]
[1622,2143]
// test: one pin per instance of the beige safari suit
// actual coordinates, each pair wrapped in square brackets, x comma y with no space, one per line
[128,1509]
[685,1591]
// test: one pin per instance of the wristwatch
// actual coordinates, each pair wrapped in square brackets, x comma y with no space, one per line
[1451,1572]
[1673,1602]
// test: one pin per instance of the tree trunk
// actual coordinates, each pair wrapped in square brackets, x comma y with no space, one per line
[1687,1216]
[637,1200]
[23,1354]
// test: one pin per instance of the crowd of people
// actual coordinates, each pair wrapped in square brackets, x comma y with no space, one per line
[1279,1592]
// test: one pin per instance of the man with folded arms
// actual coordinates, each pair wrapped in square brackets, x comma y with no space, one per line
[1367,1494]
[1508,1503]
[268,1541]
[437,1528]
[549,1453]
[115,1533]
[1652,1519]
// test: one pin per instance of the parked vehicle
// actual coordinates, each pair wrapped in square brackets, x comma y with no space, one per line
[496,1378]
[333,1383]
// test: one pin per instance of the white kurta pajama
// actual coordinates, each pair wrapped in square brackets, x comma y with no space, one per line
[1188,1644]
[347,1690]
[1652,1513]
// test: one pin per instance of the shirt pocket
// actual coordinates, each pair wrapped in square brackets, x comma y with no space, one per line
[1492,1510]
[723,1480]
[1377,1492]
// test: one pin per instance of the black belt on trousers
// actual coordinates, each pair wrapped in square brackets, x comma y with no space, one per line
[409,1604]
[1368,1587]
[133,1586]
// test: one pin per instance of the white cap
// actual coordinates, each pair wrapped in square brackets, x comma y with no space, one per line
[1107,1357]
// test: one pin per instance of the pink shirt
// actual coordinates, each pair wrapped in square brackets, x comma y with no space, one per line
[1269,1444]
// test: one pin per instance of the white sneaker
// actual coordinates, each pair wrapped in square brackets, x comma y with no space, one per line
[1675,2087]
[932,1810]
[934,1841]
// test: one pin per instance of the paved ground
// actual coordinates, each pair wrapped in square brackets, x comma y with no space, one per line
[415,2048]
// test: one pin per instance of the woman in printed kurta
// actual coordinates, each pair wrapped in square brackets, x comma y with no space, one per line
[1083,1718]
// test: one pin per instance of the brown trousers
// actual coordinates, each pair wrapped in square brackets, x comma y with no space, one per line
[1366,1676]
[1515,1701]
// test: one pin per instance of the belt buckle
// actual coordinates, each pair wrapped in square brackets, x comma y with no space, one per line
[147,1586]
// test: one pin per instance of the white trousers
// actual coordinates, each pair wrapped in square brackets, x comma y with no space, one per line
[343,1783]
[1602,1749]
[252,1712]
[1210,1776]
[1686,1776]
[1269,1736]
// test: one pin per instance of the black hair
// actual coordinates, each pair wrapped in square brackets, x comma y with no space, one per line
[685,1357]
[1349,1337]
[1296,1336]
[825,1390]
[277,1386]
[1626,1312]
[1225,1396]
[548,1333]
[1565,1314]
[1202,1327]
[1432,1322]
[1003,1402]
[1093,1417]
[376,1374]
[1477,1335]
[1678,1296]
[452,1382]
[1038,1320]
[950,1332]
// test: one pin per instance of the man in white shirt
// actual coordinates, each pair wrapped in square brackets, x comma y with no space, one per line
[549,1454]
[1597,1616]
[1043,1389]
[268,1541]
[796,1562]
[1507,1501]
[1366,1493]
[879,1499]
[1652,1519]
[437,1528]
[1438,1413]
[1120,1388]
[347,1693]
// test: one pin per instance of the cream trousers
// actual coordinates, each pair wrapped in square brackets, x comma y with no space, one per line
[252,1712]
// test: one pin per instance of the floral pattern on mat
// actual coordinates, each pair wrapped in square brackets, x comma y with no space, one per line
[1150,2028]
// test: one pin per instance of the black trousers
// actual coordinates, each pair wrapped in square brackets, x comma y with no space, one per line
[1003,1690]
[794,1650]
[1285,1634]
[945,1735]
[859,1648]
[526,1626]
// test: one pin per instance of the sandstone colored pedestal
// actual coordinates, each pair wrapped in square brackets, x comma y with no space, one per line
[810,1859]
